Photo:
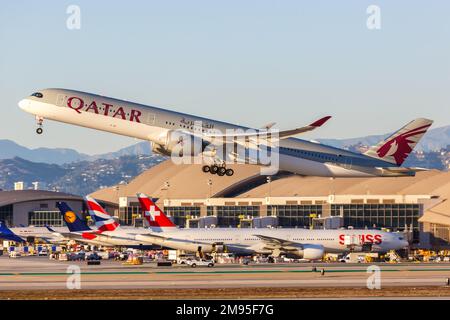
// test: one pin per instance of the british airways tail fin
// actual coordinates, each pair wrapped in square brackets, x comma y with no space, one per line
[397,147]
[103,221]
[74,223]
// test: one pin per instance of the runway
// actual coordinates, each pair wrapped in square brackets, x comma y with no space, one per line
[39,273]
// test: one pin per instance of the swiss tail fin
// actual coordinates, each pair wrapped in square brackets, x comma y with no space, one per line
[74,223]
[397,147]
[154,215]
[103,221]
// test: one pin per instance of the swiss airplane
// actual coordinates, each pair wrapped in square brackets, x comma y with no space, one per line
[301,243]
[183,135]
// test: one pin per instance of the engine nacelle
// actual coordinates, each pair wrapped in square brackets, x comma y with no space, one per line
[309,252]
[177,143]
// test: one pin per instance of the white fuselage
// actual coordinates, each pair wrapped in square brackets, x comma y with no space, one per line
[237,240]
[246,240]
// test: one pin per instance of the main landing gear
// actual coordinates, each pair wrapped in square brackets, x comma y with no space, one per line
[39,121]
[219,170]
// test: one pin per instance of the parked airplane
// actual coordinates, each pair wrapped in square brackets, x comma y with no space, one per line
[8,234]
[304,243]
[108,232]
[170,132]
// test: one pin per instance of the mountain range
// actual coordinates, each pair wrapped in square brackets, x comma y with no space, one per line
[435,139]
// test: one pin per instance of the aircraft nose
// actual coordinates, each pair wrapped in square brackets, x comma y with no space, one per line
[23,104]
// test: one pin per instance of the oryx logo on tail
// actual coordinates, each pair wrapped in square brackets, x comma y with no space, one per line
[399,145]
[402,145]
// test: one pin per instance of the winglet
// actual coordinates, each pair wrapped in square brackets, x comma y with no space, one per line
[320,122]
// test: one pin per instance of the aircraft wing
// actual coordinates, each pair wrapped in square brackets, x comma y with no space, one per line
[276,242]
[281,134]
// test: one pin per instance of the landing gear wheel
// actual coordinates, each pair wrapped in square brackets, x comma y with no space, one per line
[221,172]
[39,130]
[206,169]
[214,169]
[229,172]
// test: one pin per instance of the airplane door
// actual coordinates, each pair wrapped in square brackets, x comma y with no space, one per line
[151,119]
[61,100]
[347,162]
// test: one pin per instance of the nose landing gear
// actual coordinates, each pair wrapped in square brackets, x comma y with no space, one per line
[219,170]
[39,120]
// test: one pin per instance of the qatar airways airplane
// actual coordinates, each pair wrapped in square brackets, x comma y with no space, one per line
[183,135]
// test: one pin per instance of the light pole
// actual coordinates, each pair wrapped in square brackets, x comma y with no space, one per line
[167,186]
[269,180]
[209,182]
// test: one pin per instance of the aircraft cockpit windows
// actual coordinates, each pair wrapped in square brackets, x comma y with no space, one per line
[37,95]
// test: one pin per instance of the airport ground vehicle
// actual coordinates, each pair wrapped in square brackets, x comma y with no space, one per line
[43,252]
[93,257]
[76,256]
[354,257]
[183,258]
[63,257]
[15,254]
[200,263]
[103,255]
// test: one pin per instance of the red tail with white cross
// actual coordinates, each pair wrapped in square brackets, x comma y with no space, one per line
[154,215]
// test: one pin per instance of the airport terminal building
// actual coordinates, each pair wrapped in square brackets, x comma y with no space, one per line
[192,198]
[35,207]
[38,207]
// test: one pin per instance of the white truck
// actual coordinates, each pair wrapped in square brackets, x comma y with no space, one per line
[357,257]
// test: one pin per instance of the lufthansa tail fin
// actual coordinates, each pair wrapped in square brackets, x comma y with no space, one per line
[397,147]
[7,234]
[74,223]
[154,215]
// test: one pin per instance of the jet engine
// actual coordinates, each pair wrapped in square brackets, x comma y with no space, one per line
[179,144]
[308,251]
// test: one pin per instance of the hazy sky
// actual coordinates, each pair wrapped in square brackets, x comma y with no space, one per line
[248,62]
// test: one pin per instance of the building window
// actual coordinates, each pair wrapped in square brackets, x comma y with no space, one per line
[6,214]
[43,218]
[294,215]
[395,217]
[231,216]
[127,214]
[181,214]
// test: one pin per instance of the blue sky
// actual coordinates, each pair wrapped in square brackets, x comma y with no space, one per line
[249,62]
